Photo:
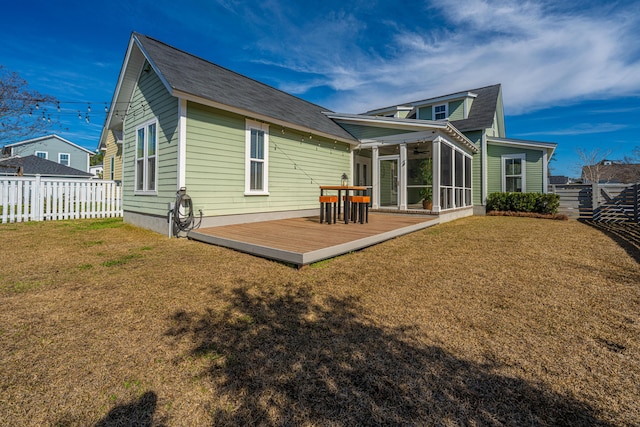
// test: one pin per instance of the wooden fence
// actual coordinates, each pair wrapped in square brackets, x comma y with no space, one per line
[599,202]
[39,199]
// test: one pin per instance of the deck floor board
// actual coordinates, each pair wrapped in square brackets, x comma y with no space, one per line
[301,236]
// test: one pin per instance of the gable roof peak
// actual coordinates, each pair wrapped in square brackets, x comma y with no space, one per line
[188,76]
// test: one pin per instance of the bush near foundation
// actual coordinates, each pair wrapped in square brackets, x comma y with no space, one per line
[523,202]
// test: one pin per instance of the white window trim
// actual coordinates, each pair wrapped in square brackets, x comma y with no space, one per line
[523,171]
[112,164]
[252,124]
[68,158]
[46,154]
[446,111]
[145,184]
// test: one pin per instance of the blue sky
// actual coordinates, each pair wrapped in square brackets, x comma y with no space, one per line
[570,71]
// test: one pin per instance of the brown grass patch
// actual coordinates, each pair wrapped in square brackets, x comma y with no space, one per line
[485,320]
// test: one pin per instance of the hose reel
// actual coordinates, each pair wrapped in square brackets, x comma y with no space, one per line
[181,216]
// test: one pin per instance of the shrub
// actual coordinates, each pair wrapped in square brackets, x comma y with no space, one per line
[523,202]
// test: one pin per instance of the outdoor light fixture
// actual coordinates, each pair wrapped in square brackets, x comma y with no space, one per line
[345,180]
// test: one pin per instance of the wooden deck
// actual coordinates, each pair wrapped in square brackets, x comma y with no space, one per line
[303,241]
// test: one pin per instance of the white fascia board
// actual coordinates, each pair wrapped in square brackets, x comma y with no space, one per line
[422,136]
[116,93]
[394,109]
[533,145]
[153,65]
[129,74]
[260,117]
[387,122]
[405,124]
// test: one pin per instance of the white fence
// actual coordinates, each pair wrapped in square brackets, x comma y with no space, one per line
[39,199]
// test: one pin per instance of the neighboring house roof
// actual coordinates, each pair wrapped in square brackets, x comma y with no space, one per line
[42,138]
[559,179]
[193,78]
[611,172]
[33,165]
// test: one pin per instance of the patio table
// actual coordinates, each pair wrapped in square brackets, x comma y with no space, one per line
[346,189]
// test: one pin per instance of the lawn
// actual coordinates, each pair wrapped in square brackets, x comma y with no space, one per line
[481,321]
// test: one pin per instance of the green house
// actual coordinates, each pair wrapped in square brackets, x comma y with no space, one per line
[247,152]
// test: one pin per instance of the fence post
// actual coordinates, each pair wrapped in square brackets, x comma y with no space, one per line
[636,200]
[595,198]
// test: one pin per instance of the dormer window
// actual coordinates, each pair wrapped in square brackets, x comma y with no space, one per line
[440,112]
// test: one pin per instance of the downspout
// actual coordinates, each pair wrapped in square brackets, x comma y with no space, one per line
[483,161]
[182,144]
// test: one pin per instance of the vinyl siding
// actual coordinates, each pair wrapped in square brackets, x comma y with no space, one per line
[456,110]
[476,167]
[425,113]
[215,165]
[534,169]
[151,100]
[112,150]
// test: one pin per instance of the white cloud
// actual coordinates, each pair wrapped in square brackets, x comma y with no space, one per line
[580,129]
[543,56]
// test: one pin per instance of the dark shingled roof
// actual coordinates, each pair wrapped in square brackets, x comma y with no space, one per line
[195,76]
[32,165]
[482,110]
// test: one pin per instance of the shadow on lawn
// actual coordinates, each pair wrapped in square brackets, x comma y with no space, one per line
[625,234]
[137,413]
[285,360]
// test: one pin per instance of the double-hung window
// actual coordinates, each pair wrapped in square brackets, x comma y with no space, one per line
[513,173]
[256,158]
[42,154]
[146,157]
[64,159]
[440,112]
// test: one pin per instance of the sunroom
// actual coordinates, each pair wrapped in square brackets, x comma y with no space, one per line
[411,165]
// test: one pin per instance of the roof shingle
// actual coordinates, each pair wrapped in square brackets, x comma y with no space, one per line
[192,75]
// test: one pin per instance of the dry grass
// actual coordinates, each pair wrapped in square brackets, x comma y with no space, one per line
[482,321]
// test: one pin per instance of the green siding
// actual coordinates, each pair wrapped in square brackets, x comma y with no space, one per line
[215,165]
[534,167]
[456,110]
[151,99]
[501,131]
[425,113]
[476,166]
[365,132]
